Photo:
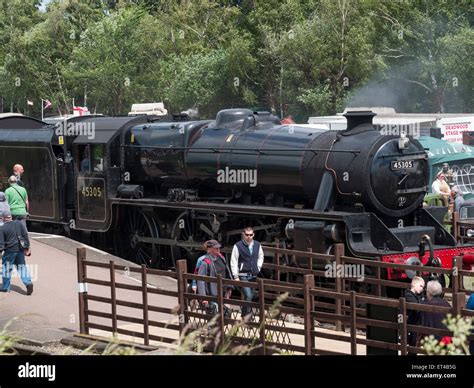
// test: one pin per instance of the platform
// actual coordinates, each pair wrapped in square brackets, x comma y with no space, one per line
[51,312]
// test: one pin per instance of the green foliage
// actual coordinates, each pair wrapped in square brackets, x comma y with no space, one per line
[461,328]
[329,54]
[425,45]
[115,348]
[300,57]
[217,79]
[116,60]
[7,341]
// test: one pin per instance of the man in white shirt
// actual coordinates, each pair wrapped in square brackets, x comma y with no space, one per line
[245,264]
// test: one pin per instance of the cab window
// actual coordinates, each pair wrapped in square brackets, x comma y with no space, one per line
[84,160]
[98,157]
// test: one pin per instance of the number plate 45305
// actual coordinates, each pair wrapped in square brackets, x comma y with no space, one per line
[401,164]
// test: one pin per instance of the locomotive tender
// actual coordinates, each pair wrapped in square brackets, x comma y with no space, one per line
[156,188]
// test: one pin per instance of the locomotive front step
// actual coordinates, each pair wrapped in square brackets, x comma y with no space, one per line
[411,236]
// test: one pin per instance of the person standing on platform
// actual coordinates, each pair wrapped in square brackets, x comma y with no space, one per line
[15,244]
[245,263]
[213,264]
[18,171]
[414,295]
[17,198]
[4,206]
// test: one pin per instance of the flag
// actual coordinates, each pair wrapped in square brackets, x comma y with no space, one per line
[29,102]
[80,110]
[47,104]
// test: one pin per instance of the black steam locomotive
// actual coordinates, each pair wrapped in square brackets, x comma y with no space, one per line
[156,188]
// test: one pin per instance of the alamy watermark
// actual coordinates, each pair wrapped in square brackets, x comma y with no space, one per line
[230,175]
[76,129]
[22,271]
[413,130]
[334,270]
[34,371]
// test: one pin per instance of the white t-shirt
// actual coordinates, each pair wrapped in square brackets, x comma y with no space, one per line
[440,187]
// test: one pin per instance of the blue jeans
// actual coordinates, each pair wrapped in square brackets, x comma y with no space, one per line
[249,293]
[12,259]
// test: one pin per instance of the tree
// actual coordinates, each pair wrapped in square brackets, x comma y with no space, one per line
[40,53]
[210,81]
[116,60]
[426,46]
[16,17]
[327,55]
[208,61]
[271,23]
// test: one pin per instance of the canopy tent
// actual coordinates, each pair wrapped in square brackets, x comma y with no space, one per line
[459,157]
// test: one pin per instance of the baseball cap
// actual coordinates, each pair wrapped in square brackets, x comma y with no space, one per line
[213,244]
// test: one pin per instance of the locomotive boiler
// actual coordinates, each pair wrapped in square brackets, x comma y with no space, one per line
[250,156]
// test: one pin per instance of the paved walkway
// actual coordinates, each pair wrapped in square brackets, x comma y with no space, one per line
[51,312]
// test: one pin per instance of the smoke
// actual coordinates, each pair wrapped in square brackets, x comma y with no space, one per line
[392,89]
[379,93]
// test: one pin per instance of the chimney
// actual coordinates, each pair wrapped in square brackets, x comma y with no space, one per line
[355,118]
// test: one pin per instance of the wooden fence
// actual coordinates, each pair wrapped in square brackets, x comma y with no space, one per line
[293,326]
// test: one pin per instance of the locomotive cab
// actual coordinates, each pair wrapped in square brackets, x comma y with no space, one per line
[97,169]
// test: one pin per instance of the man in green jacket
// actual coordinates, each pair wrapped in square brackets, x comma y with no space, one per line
[17,198]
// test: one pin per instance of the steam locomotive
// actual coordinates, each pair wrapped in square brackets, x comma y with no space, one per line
[155,188]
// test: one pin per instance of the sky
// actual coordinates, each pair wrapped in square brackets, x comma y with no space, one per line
[43,5]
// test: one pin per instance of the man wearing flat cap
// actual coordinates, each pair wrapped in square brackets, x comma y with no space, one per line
[213,264]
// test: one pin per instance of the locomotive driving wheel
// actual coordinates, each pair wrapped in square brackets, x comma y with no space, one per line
[189,232]
[130,238]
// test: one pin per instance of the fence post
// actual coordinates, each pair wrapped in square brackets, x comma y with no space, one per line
[456,276]
[261,300]
[459,301]
[310,259]
[338,253]
[353,324]
[277,260]
[146,328]
[181,268]
[113,296]
[220,304]
[454,228]
[308,319]
[379,278]
[82,290]
[403,326]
